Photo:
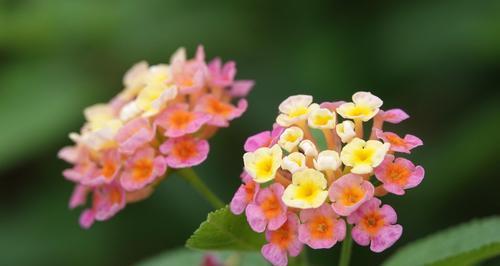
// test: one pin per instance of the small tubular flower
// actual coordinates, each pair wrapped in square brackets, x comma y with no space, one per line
[308,148]
[294,162]
[398,175]
[164,116]
[290,138]
[267,211]
[321,118]
[142,169]
[348,193]
[362,155]
[184,151]
[375,226]
[308,190]
[177,120]
[295,109]
[364,106]
[327,160]
[345,131]
[399,144]
[283,242]
[263,163]
[322,184]
[321,227]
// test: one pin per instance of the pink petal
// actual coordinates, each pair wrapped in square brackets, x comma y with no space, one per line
[256,218]
[274,255]
[87,219]
[386,237]
[78,197]
[389,213]
[239,201]
[258,140]
[359,236]
[241,88]
[395,116]
[416,178]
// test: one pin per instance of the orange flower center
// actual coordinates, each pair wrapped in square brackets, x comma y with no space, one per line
[218,108]
[180,119]
[142,169]
[372,222]
[108,169]
[321,227]
[249,190]
[185,149]
[282,237]
[397,174]
[395,140]
[352,195]
[115,196]
[271,207]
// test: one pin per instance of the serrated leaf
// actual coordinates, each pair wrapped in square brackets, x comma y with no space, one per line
[183,257]
[225,231]
[465,244]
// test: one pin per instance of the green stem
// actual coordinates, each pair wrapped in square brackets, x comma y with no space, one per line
[195,181]
[345,253]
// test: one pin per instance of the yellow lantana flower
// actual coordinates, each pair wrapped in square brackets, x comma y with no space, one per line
[290,138]
[294,109]
[362,155]
[158,90]
[263,163]
[308,190]
[364,106]
[321,118]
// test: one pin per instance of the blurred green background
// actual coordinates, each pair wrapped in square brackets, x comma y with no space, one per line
[439,60]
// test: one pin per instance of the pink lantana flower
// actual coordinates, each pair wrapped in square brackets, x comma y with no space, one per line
[107,200]
[110,165]
[349,192]
[222,75]
[398,175]
[188,75]
[321,227]
[399,144]
[79,196]
[177,120]
[283,242]
[134,134]
[185,151]
[142,169]
[375,226]
[221,112]
[244,195]
[267,210]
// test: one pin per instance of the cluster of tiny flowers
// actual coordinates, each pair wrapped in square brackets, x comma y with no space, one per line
[161,119]
[298,192]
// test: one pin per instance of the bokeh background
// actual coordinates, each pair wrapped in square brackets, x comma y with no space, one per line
[439,60]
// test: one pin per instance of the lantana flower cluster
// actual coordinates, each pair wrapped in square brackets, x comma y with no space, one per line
[161,120]
[318,172]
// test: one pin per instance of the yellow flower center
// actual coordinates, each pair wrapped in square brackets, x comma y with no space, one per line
[363,155]
[264,166]
[299,111]
[359,111]
[322,120]
[307,191]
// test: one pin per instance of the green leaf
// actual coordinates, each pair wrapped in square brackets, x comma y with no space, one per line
[225,231]
[465,244]
[183,257]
